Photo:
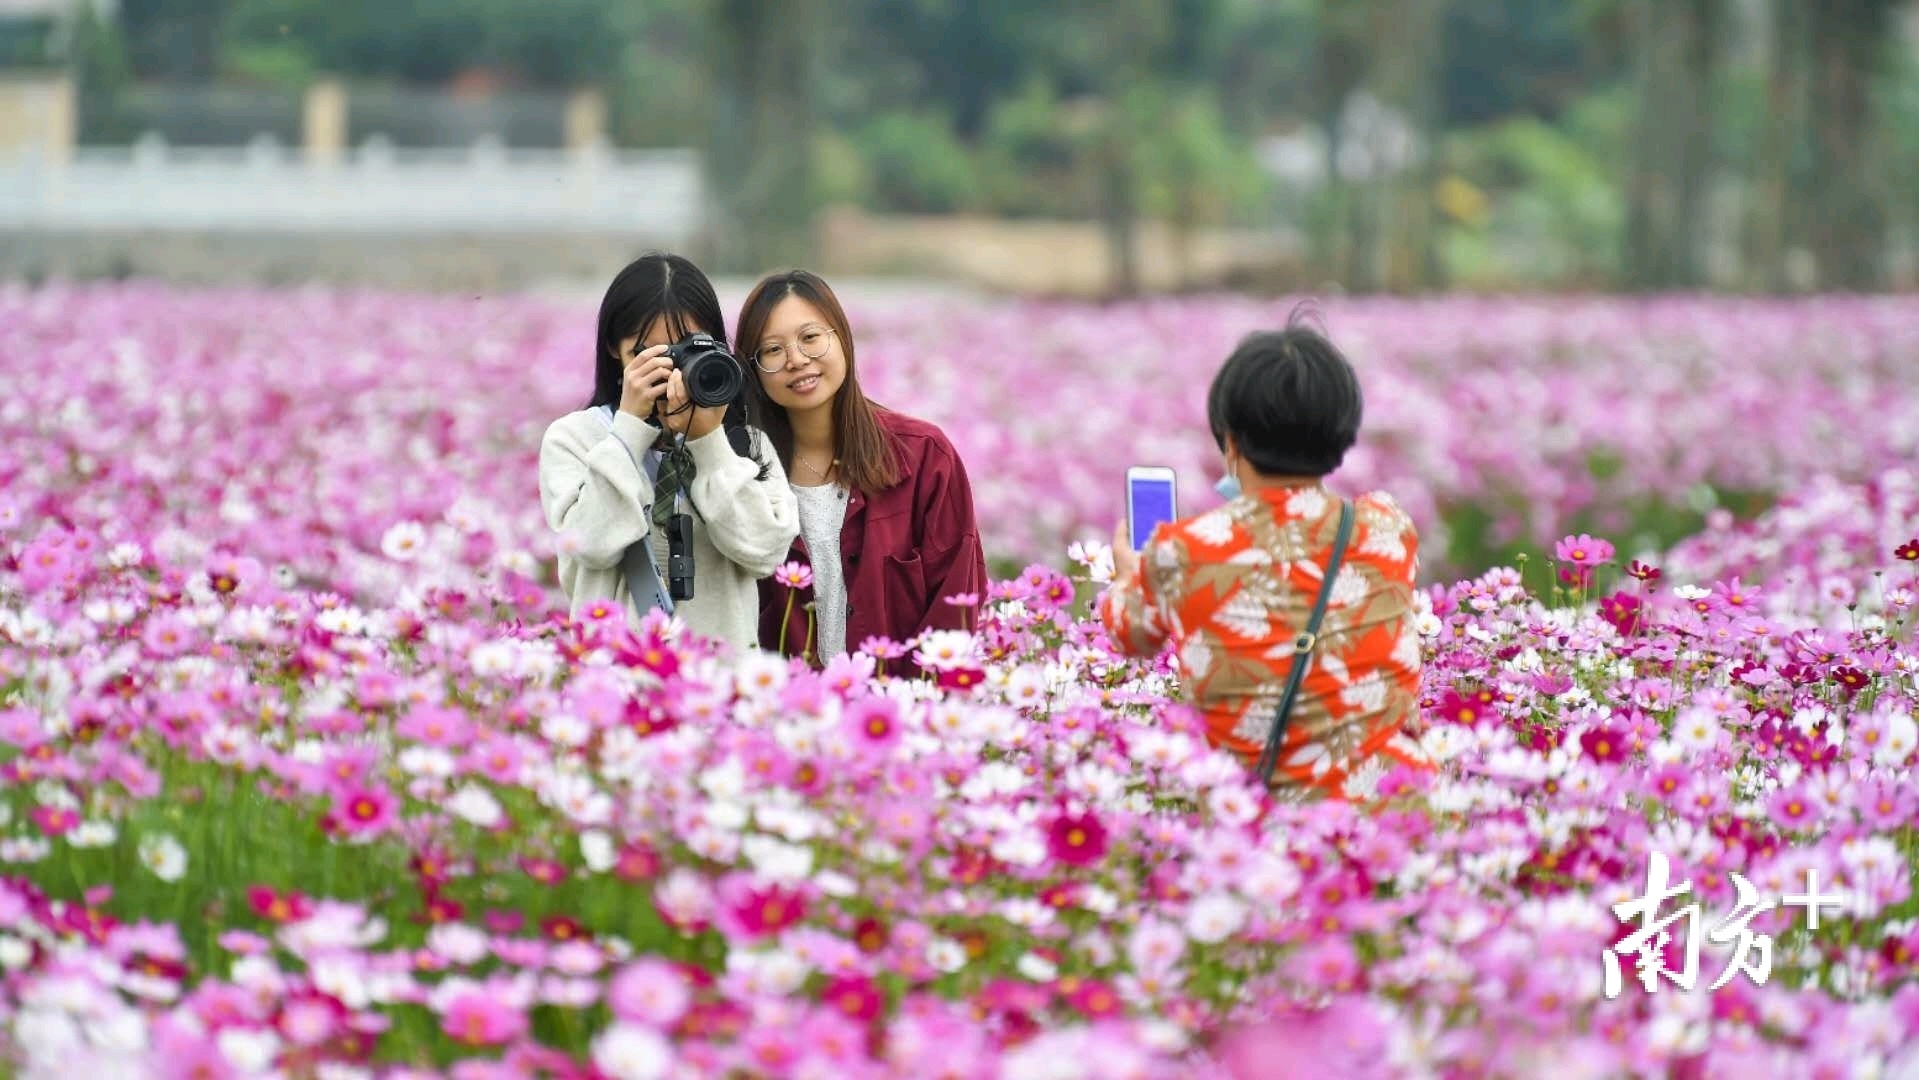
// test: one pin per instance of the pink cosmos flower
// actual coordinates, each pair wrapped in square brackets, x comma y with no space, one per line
[794,575]
[22,728]
[752,911]
[243,942]
[167,635]
[882,648]
[55,820]
[684,901]
[436,725]
[1076,839]
[477,1018]
[649,991]
[497,758]
[310,1019]
[190,1054]
[364,811]
[872,724]
[276,906]
[544,871]
[1583,551]
[1340,1040]
[854,996]
[47,564]
[231,575]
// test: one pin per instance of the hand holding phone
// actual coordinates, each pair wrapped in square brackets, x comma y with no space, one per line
[1151,498]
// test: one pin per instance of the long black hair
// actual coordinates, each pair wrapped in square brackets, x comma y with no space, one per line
[659,286]
[869,457]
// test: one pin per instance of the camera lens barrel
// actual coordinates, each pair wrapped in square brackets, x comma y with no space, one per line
[713,376]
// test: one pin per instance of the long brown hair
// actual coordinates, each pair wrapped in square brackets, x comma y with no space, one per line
[869,456]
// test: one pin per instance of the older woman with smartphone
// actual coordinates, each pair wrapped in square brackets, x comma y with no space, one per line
[1290,609]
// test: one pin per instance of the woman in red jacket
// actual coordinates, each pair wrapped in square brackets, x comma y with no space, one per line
[886,512]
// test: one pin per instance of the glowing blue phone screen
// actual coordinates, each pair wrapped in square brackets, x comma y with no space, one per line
[1152,504]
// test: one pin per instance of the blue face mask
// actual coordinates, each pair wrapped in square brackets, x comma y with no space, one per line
[1228,487]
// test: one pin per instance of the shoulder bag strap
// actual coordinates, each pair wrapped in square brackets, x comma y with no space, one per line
[638,566]
[1304,646]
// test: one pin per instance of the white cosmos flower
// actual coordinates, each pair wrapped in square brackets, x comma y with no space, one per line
[403,541]
[476,805]
[163,855]
[596,850]
[93,834]
[1215,917]
[631,1052]
[945,955]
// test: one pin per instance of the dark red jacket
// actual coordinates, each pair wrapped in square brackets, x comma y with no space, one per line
[904,550]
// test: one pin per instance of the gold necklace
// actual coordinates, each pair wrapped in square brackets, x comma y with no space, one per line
[810,467]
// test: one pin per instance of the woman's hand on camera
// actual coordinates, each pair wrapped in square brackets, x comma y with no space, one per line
[681,416]
[643,382]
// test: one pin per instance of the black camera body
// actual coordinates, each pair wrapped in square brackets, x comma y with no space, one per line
[713,376]
[679,556]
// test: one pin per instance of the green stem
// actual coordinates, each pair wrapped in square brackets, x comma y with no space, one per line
[787,615]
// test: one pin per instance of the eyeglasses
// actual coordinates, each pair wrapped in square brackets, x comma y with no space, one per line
[813,342]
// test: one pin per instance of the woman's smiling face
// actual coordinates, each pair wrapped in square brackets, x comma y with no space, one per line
[798,381]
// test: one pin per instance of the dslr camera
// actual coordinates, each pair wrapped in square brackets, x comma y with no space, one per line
[712,375]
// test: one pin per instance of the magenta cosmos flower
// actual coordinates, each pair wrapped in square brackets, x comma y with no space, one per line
[1583,551]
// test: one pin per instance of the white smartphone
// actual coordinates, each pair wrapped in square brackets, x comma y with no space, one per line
[1151,498]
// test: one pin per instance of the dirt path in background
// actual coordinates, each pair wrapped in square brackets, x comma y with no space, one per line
[884,259]
[854,291]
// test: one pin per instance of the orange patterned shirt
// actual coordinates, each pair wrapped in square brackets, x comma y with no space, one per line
[1234,587]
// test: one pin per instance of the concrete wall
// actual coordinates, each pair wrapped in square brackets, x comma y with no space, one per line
[441,262]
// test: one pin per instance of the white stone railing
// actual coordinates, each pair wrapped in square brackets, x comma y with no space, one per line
[484,188]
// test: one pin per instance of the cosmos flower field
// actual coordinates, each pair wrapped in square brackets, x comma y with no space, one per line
[304,773]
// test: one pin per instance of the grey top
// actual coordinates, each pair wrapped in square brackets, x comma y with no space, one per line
[822,513]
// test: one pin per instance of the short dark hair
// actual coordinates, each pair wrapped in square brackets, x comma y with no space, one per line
[1289,400]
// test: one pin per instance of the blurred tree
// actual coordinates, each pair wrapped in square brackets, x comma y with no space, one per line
[1666,221]
[1031,155]
[1376,226]
[173,39]
[1340,58]
[1507,57]
[28,41]
[547,43]
[1849,43]
[98,56]
[916,162]
[1257,57]
[661,82]
[963,56]
[1195,172]
[759,167]
[1899,163]
[1407,75]
[1135,35]
[1768,234]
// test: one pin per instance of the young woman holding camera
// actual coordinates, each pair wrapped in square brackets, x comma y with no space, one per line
[885,508]
[614,474]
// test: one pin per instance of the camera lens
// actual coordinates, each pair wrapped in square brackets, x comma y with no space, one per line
[713,377]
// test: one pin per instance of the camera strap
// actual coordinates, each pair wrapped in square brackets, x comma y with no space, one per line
[1304,646]
[638,565]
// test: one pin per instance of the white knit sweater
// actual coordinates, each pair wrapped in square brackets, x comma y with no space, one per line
[596,491]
